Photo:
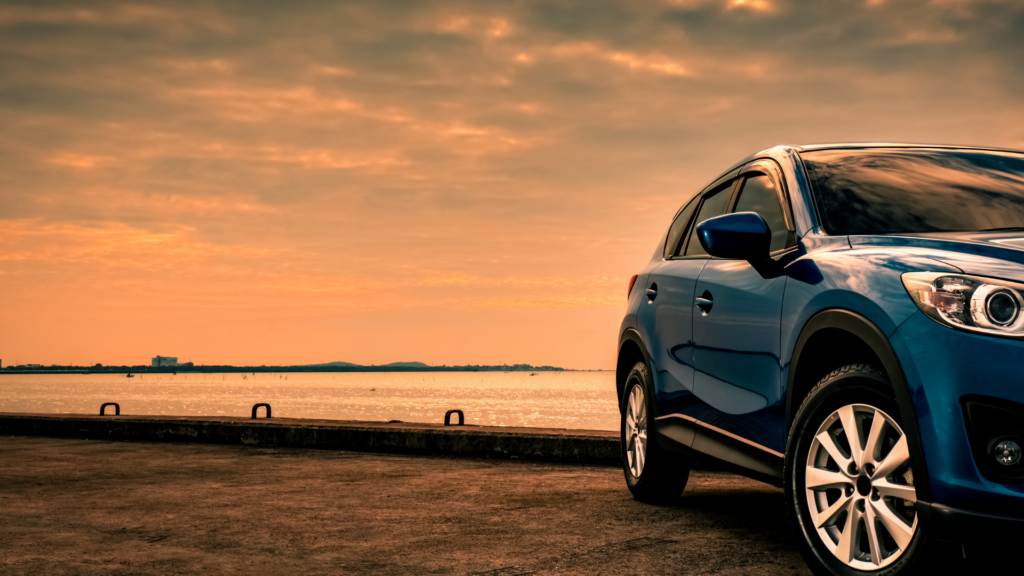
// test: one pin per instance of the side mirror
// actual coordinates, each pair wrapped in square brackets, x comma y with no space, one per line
[743,236]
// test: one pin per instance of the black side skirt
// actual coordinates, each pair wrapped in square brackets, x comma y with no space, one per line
[719,448]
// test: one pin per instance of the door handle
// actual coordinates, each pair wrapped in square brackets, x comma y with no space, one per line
[705,303]
[652,292]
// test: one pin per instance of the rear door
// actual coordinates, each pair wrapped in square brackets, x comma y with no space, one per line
[666,313]
[737,340]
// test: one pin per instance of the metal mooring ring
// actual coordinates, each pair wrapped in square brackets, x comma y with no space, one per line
[448,418]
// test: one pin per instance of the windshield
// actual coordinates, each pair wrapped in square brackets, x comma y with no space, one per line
[892,190]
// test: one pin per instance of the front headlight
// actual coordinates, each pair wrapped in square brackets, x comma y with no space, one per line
[984,305]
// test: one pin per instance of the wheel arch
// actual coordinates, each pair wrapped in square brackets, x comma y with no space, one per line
[631,351]
[841,336]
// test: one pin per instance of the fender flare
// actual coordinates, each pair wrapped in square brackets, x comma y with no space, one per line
[867,332]
[621,372]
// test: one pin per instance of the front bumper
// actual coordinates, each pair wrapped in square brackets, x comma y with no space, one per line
[942,367]
[945,523]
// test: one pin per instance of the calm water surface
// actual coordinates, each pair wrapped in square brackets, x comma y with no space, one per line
[584,400]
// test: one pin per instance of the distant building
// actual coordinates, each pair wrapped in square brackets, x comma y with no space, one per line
[165,361]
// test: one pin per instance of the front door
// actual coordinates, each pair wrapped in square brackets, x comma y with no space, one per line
[736,332]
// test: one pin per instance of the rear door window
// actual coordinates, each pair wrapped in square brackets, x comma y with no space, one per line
[675,233]
[760,196]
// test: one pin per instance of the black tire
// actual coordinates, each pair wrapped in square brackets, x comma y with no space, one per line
[865,387]
[664,474]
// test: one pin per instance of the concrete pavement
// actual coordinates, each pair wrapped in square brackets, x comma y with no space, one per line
[99,507]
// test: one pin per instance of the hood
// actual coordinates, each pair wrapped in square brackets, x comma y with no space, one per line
[993,254]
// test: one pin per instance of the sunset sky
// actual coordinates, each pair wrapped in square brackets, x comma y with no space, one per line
[446,182]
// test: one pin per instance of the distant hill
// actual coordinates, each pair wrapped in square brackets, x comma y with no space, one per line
[351,365]
[403,366]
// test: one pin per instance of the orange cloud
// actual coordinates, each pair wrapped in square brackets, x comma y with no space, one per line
[117,15]
[562,302]
[759,5]
[75,160]
[112,245]
[490,27]
[653,62]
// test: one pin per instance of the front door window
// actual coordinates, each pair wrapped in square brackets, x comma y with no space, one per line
[759,195]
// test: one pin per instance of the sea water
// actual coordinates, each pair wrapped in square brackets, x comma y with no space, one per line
[581,400]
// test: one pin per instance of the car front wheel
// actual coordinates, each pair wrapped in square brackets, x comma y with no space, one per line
[849,484]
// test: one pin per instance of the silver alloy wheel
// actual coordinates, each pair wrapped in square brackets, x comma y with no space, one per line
[860,489]
[636,431]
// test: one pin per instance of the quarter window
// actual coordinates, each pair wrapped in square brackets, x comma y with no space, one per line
[759,195]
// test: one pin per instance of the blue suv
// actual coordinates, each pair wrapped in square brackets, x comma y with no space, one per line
[843,321]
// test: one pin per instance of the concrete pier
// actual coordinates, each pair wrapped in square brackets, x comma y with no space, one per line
[95,507]
[88,507]
[537,444]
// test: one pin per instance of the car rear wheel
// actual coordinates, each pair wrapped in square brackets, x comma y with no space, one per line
[849,484]
[652,473]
